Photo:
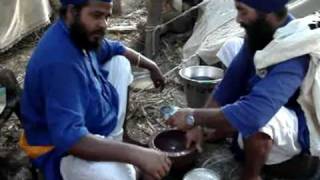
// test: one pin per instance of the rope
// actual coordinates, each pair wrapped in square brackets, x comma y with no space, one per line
[155,28]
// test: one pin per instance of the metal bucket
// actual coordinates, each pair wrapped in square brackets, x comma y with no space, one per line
[199,82]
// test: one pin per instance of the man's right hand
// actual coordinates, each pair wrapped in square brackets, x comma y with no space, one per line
[154,163]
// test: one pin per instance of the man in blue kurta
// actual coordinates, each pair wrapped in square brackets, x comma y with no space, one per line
[75,96]
[263,109]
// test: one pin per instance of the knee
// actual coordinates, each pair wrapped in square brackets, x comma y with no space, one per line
[121,60]
[124,63]
[229,50]
[118,64]
[75,168]
[117,61]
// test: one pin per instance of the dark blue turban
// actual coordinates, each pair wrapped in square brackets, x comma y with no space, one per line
[266,6]
[77,2]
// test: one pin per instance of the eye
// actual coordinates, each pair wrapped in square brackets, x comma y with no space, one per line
[97,15]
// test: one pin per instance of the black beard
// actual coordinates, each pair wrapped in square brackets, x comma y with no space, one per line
[258,34]
[79,36]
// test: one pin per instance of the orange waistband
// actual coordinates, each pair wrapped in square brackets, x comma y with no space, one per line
[33,151]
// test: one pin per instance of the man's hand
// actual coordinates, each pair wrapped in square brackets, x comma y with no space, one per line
[213,135]
[141,61]
[179,119]
[195,136]
[154,163]
[157,77]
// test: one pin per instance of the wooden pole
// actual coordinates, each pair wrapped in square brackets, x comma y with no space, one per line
[117,8]
[154,8]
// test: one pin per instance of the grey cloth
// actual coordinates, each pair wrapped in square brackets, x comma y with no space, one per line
[19,18]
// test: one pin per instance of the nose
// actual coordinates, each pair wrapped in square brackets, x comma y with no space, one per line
[103,23]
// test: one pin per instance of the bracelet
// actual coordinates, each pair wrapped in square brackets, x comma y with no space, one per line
[139,59]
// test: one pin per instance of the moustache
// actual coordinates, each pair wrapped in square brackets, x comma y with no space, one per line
[100,32]
[245,26]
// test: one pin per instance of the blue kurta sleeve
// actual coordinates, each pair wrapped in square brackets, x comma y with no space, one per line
[109,49]
[66,102]
[253,111]
[232,85]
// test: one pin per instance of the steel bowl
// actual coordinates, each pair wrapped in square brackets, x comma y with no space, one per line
[173,143]
[201,74]
[201,174]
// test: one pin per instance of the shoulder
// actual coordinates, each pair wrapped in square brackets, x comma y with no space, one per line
[109,42]
[111,45]
[55,47]
[108,49]
[296,64]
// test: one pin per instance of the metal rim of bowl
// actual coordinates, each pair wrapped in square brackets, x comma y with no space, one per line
[197,81]
[170,154]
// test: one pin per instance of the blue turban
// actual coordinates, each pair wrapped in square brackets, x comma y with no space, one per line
[77,2]
[266,6]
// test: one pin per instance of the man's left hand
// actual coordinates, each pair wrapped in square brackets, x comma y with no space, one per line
[195,136]
[179,119]
[157,77]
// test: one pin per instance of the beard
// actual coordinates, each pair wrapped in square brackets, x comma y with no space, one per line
[80,35]
[258,34]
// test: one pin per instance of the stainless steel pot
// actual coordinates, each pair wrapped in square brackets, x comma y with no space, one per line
[199,82]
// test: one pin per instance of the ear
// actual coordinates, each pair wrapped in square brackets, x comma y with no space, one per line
[71,12]
[270,17]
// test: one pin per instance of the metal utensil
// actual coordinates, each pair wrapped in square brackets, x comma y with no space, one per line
[201,173]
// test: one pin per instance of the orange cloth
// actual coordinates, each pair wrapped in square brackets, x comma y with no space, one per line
[33,151]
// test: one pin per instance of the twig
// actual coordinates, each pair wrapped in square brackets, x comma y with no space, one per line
[161,123]
[144,130]
[145,114]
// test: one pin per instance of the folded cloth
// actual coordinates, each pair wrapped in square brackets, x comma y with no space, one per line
[299,37]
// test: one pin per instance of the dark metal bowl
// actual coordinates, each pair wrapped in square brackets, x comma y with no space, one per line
[173,142]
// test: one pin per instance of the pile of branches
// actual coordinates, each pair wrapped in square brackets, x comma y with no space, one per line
[143,119]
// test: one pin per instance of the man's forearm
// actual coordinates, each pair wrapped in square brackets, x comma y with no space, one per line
[97,149]
[211,103]
[212,118]
[139,60]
